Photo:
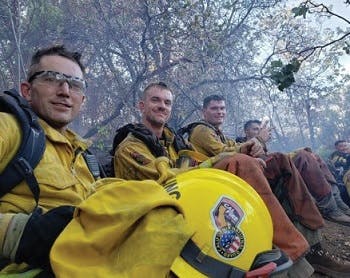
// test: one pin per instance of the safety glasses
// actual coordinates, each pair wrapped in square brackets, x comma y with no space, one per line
[55,78]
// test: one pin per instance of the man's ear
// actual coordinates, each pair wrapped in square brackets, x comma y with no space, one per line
[26,89]
[82,103]
[203,113]
[141,105]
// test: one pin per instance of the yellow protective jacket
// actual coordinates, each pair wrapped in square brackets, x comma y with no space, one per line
[133,160]
[124,229]
[210,141]
[342,161]
[62,174]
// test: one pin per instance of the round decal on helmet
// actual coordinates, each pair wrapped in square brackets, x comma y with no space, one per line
[229,242]
[226,216]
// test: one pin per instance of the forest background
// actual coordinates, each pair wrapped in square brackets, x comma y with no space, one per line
[283,60]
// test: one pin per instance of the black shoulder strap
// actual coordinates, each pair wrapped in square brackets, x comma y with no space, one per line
[179,141]
[142,133]
[120,135]
[187,130]
[241,139]
[94,165]
[31,149]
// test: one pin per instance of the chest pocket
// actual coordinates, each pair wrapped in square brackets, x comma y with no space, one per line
[53,168]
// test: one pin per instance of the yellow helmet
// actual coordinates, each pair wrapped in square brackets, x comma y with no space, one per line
[231,222]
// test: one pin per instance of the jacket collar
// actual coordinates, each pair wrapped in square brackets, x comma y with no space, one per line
[67,137]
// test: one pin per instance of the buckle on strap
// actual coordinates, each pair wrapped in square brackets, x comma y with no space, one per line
[261,272]
[23,167]
[27,172]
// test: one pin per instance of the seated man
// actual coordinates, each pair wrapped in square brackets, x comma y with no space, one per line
[339,161]
[207,138]
[316,175]
[340,158]
[29,227]
[151,150]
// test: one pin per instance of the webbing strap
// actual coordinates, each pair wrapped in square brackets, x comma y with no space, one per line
[31,149]
[92,163]
[27,173]
[208,265]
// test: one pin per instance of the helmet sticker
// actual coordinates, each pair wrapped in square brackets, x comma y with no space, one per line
[229,240]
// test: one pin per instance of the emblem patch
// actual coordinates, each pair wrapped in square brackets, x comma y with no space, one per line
[229,240]
[139,158]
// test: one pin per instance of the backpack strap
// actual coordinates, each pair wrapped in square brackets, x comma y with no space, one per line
[179,141]
[95,167]
[187,130]
[142,133]
[32,147]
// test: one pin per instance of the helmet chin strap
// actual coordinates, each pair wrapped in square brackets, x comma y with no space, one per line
[265,263]
[208,265]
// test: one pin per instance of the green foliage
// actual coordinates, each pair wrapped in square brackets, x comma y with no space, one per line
[103,142]
[197,47]
[300,11]
[282,74]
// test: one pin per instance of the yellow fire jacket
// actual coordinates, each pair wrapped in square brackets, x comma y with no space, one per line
[211,141]
[62,173]
[126,229]
[134,161]
[340,160]
[107,223]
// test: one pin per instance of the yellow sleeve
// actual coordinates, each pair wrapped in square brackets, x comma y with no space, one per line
[10,139]
[134,161]
[232,143]
[206,141]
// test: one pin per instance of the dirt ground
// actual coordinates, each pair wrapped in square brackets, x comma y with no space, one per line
[336,240]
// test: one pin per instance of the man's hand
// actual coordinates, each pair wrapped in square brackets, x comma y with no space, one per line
[13,226]
[29,238]
[253,148]
[261,162]
[265,133]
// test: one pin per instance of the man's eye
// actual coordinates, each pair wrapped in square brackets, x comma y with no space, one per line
[76,84]
[50,79]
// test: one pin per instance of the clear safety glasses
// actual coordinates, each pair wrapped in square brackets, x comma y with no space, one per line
[54,78]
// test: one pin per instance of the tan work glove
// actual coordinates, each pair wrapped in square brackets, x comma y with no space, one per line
[252,148]
[209,163]
[12,226]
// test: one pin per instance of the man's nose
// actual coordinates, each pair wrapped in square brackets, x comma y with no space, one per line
[65,87]
[162,105]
